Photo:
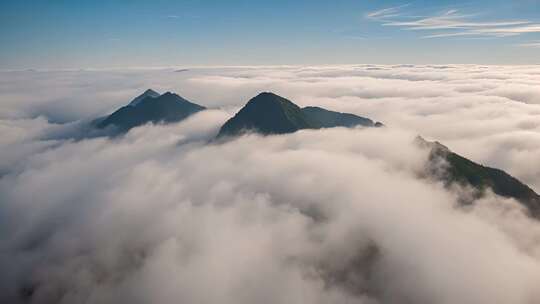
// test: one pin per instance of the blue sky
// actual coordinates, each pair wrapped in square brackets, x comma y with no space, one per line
[79,34]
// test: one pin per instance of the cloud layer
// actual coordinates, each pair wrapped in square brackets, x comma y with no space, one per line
[163,215]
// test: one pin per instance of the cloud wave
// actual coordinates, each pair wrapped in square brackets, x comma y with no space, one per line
[341,215]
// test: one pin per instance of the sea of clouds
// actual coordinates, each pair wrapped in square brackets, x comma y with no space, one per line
[166,215]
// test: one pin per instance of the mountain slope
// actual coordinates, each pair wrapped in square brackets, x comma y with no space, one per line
[268,113]
[466,172]
[330,119]
[147,93]
[166,108]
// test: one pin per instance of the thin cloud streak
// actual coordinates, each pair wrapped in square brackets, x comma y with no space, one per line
[535,44]
[494,32]
[386,12]
[451,20]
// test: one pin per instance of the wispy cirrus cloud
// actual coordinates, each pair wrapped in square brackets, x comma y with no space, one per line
[534,44]
[384,13]
[452,23]
[491,32]
[182,16]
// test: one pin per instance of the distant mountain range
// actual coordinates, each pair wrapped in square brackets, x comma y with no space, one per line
[268,114]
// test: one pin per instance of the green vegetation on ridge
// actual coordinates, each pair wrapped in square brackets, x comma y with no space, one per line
[268,113]
[466,172]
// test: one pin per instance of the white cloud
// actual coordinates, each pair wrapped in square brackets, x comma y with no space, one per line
[163,215]
[385,13]
[453,24]
[535,44]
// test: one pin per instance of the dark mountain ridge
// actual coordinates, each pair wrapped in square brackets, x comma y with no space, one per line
[463,171]
[147,93]
[268,113]
[331,119]
[148,107]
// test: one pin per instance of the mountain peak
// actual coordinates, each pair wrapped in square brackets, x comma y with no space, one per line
[269,97]
[267,113]
[166,108]
[148,93]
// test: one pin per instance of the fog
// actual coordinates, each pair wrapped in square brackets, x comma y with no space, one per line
[166,215]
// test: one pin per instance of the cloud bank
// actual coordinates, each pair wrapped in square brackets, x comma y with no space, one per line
[163,215]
